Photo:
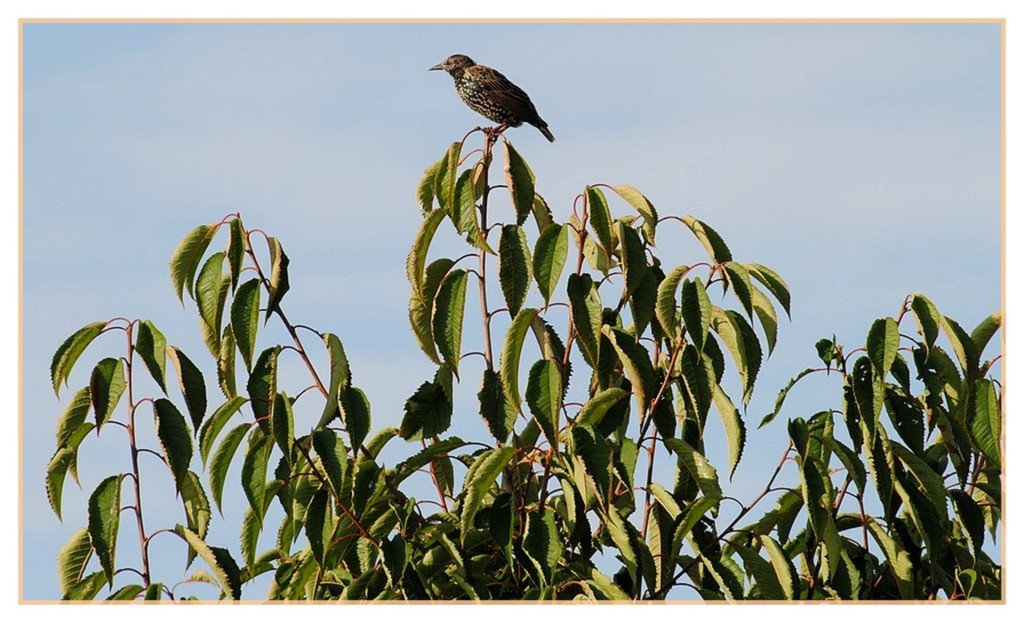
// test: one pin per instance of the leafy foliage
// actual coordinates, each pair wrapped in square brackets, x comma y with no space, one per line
[894,489]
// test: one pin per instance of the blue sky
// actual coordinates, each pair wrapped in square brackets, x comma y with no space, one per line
[859,161]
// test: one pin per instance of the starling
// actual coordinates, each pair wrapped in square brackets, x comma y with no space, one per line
[491,94]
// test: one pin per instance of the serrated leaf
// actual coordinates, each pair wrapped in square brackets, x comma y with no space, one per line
[771,280]
[262,386]
[355,412]
[520,181]
[600,218]
[544,397]
[742,343]
[333,455]
[226,364]
[212,427]
[394,554]
[341,376]
[636,362]
[185,259]
[850,460]
[193,388]
[449,309]
[986,421]
[278,276]
[782,396]
[151,346]
[236,250]
[425,189]
[549,257]
[448,169]
[74,416]
[665,307]
[69,352]
[417,259]
[282,423]
[592,449]
[643,206]
[428,454]
[254,470]
[428,412]
[72,560]
[209,300]
[87,589]
[634,260]
[104,519]
[606,587]
[766,314]
[709,239]
[928,318]
[224,567]
[245,319]
[586,309]
[222,461]
[899,560]
[541,542]
[695,309]
[595,409]
[510,353]
[495,409]
[479,479]
[735,431]
[781,565]
[985,330]
[174,437]
[318,524]
[882,345]
[514,263]
[56,472]
[421,310]
[197,508]
[106,385]
[762,571]
[697,467]
[464,210]
[739,279]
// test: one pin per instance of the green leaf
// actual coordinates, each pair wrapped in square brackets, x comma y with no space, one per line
[428,454]
[151,346]
[739,279]
[549,256]
[642,205]
[771,280]
[444,184]
[278,276]
[742,343]
[763,572]
[766,314]
[586,309]
[595,409]
[986,421]
[928,318]
[222,461]
[212,427]
[900,563]
[665,307]
[226,364]
[636,362]
[541,542]
[56,471]
[333,455]
[850,460]
[698,468]
[126,593]
[709,239]
[417,259]
[425,190]
[210,301]
[693,514]
[511,352]
[193,388]
[68,353]
[254,470]
[186,258]
[464,210]
[963,346]
[592,449]
[376,443]
[74,416]
[449,309]
[262,386]
[173,434]
[883,343]
[87,589]
[495,409]
[224,567]
[318,525]
[355,412]
[236,250]
[783,568]
[282,423]
[544,397]
[395,555]
[421,311]
[72,560]
[104,518]
[428,412]
[520,181]
[341,375]
[985,330]
[782,396]
[105,388]
[695,309]
[479,479]
[600,218]
[197,508]
[606,587]
[514,266]
[634,260]
[245,319]
[735,431]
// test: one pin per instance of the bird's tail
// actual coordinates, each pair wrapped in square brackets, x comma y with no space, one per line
[543,127]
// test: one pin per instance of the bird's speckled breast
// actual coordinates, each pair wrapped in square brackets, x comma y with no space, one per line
[471,93]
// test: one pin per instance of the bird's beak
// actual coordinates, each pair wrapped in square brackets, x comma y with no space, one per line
[436,67]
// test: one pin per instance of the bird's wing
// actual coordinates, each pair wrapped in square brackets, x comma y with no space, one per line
[502,92]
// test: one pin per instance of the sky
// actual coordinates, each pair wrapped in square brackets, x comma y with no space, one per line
[861,162]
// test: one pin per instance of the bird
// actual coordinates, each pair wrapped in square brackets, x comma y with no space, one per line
[491,94]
